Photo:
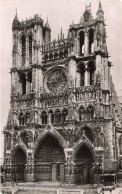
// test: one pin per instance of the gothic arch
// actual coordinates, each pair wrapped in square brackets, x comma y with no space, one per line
[19,160]
[65,53]
[55,55]
[61,54]
[80,73]
[81,64]
[21,118]
[93,62]
[78,146]
[49,150]
[23,48]
[91,40]
[22,34]
[91,65]
[22,147]
[50,56]
[22,83]
[44,117]
[81,39]
[88,132]
[90,111]
[46,57]
[58,116]
[83,126]
[30,33]
[54,133]
[78,33]
[64,114]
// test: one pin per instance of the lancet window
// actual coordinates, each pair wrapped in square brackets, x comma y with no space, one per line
[22,82]
[90,71]
[21,119]
[90,112]
[44,118]
[57,116]
[91,41]
[29,82]
[30,49]
[64,115]
[80,74]
[81,43]
[23,49]
[82,113]
[86,114]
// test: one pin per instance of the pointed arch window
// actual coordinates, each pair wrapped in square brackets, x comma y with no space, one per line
[90,112]
[51,115]
[81,113]
[89,133]
[64,115]
[30,49]
[81,43]
[27,118]
[21,119]
[91,41]
[23,49]
[44,118]
[91,70]
[57,116]
[80,74]
[29,82]
[22,83]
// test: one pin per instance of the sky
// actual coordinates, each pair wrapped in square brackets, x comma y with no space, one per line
[60,13]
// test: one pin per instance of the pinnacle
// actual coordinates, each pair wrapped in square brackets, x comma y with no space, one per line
[100,6]
[16,17]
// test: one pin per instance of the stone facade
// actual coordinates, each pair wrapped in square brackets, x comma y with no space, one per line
[64,121]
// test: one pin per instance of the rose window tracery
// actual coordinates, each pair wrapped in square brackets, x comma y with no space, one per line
[56,80]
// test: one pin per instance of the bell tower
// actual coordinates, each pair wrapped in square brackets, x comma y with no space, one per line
[28,36]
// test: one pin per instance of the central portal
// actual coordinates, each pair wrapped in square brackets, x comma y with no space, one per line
[49,160]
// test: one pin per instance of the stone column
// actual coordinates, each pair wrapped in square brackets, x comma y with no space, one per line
[14,82]
[98,64]
[27,53]
[40,80]
[86,44]
[72,70]
[78,79]
[69,175]
[34,79]
[78,46]
[30,176]
[106,74]
[27,85]
[87,77]
[49,118]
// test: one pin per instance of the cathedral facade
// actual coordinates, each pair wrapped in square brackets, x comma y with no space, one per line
[64,122]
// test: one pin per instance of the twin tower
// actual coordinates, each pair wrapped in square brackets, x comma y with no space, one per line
[64,111]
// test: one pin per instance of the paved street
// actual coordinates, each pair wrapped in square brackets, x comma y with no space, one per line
[116,191]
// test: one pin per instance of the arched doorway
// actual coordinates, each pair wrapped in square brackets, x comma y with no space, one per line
[84,165]
[18,165]
[49,160]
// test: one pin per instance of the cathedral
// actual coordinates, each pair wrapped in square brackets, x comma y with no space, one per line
[64,122]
